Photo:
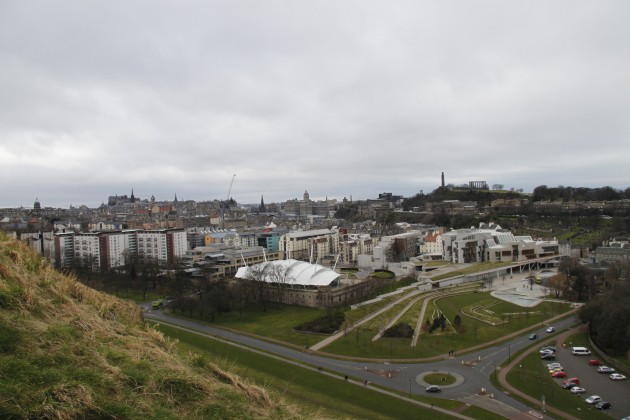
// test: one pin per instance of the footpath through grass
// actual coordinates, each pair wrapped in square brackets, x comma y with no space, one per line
[472,332]
[320,394]
[278,322]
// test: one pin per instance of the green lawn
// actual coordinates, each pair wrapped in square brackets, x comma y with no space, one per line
[359,342]
[279,321]
[473,268]
[318,394]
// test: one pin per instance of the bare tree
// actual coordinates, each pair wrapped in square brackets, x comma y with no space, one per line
[257,274]
[279,277]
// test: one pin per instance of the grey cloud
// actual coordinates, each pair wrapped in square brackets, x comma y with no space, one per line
[340,98]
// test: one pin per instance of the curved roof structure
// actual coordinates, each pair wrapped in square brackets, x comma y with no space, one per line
[291,272]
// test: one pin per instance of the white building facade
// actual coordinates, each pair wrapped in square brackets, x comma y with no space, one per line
[492,244]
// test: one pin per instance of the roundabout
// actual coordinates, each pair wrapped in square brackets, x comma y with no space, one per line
[451,379]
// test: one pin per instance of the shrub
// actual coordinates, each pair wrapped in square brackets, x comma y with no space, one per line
[400,330]
[326,324]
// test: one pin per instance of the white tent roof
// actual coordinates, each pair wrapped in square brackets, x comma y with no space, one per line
[297,273]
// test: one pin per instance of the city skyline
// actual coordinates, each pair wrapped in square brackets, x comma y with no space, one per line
[342,99]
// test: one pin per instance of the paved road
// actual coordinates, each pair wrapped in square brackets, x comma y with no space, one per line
[475,368]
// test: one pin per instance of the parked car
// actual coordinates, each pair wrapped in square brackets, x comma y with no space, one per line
[548,348]
[594,362]
[603,405]
[574,380]
[554,365]
[559,374]
[580,351]
[617,377]
[548,356]
[550,329]
[433,388]
[533,336]
[605,369]
[569,385]
[578,390]
[593,399]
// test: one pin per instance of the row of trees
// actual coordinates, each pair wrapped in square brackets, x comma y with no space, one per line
[561,193]
[608,314]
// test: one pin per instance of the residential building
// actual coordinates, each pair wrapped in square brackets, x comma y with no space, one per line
[310,244]
[431,244]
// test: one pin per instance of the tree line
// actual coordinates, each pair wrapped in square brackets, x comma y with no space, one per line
[608,313]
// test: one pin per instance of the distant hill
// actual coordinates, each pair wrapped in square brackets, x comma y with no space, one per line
[67,351]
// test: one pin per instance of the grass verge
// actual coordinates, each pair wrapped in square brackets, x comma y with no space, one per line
[312,391]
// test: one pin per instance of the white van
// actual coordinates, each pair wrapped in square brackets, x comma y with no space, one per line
[580,351]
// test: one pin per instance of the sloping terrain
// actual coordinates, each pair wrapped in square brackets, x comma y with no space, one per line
[67,351]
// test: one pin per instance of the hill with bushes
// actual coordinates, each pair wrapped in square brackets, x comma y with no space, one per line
[68,351]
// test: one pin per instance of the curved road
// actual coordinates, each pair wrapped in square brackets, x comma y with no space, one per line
[473,368]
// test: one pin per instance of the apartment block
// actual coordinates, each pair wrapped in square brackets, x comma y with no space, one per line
[317,243]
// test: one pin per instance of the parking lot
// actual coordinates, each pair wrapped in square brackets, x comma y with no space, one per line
[615,392]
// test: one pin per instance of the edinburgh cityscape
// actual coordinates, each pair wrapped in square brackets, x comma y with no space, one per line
[314,210]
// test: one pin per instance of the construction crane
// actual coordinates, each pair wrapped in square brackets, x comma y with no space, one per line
[227,203]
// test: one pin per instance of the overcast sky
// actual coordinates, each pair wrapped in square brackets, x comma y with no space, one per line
[340,98]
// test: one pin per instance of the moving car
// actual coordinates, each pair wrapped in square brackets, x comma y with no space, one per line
[578,390]
[533,336]
[157,304]
[593,399]
[594,362]
[605,369]
[617,377]
[550,329]
[433,388]
[603,405]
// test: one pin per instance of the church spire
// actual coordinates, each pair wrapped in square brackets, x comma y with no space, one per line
[132,198]
[262,205]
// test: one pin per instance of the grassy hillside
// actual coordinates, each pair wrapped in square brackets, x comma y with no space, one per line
[67,351]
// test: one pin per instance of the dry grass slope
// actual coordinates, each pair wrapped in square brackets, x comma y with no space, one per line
[67,351]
